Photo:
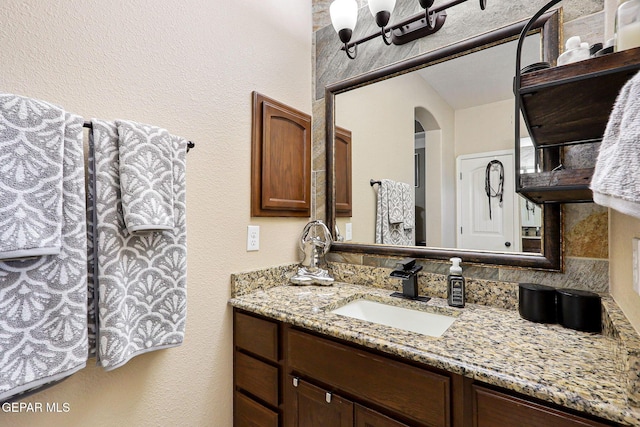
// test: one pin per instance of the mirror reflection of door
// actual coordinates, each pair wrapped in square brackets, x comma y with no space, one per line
[420,172]
[488,215]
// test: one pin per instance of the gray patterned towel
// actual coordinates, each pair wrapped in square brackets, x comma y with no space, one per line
[140,278]
[146,176]
[31,147]
[616,179]
[43,300]
[391,212]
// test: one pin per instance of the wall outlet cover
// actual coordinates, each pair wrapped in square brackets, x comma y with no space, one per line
[348,232]
[253,237]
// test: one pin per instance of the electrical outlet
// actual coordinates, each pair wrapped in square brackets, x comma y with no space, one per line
[253,237]
[348,232]
[636,265]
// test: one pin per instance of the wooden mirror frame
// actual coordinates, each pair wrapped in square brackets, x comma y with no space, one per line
[551,257]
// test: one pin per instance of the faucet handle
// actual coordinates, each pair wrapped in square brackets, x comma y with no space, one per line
[406,264]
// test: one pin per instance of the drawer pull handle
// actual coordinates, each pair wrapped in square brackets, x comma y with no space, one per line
[295,382]
[327,397]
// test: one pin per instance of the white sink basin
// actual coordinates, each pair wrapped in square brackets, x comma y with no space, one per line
[421,322]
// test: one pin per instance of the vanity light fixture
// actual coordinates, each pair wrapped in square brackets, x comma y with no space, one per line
[344,15]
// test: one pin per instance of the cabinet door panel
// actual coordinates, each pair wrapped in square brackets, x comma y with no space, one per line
[280,159]
[313,409]
[366,417]
[495,409]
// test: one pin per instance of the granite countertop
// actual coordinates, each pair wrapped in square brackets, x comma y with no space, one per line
[582,371]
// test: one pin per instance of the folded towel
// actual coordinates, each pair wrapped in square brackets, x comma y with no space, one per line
[408,205]
[43,300]
[146,176]
[395,202]
[31,148]
[389,230]
[140,278]
[616,179]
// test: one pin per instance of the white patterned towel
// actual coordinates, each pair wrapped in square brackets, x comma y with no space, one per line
[146,176]
[616,179]
[43,300]
[31,148]
[141,278]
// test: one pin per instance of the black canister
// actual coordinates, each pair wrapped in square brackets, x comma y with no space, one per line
[537,303]
[580,310]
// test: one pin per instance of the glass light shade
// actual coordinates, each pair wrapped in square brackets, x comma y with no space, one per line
[376,6]
[344,14]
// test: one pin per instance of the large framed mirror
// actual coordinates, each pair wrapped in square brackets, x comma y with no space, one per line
[430,127]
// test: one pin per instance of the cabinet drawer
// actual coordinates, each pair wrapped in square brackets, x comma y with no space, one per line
[246,412]
[257,378]
[415,393]
[492,408]
[256,335]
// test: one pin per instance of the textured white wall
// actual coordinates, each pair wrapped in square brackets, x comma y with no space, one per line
[189,66]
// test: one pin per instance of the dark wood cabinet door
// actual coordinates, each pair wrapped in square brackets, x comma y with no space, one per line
[365,417]
[494,409]
[280,160]
[343,172]
[315,407]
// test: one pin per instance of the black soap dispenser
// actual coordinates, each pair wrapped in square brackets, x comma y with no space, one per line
[455,284]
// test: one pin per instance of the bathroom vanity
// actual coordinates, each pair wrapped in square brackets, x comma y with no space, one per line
[298,364]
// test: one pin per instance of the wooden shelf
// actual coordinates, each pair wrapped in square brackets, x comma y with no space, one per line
[566,105]
[560,186]
[570,104]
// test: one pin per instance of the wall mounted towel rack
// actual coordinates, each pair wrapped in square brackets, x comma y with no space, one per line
[190,144]
[373,182]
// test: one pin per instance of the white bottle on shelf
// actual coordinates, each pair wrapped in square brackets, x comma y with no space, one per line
[575,50]
[627,25]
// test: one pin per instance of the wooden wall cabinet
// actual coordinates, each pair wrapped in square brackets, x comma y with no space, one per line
[342,163]
[285,377]
[280,159]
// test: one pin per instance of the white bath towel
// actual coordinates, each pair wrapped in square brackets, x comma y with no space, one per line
[43,300]
[146,176]
[140,279]
[390,215]
[31,149]
[616,179]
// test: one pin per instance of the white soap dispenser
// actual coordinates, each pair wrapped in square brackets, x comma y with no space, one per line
[455,284]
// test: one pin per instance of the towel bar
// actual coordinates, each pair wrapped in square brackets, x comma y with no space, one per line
[190,144]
